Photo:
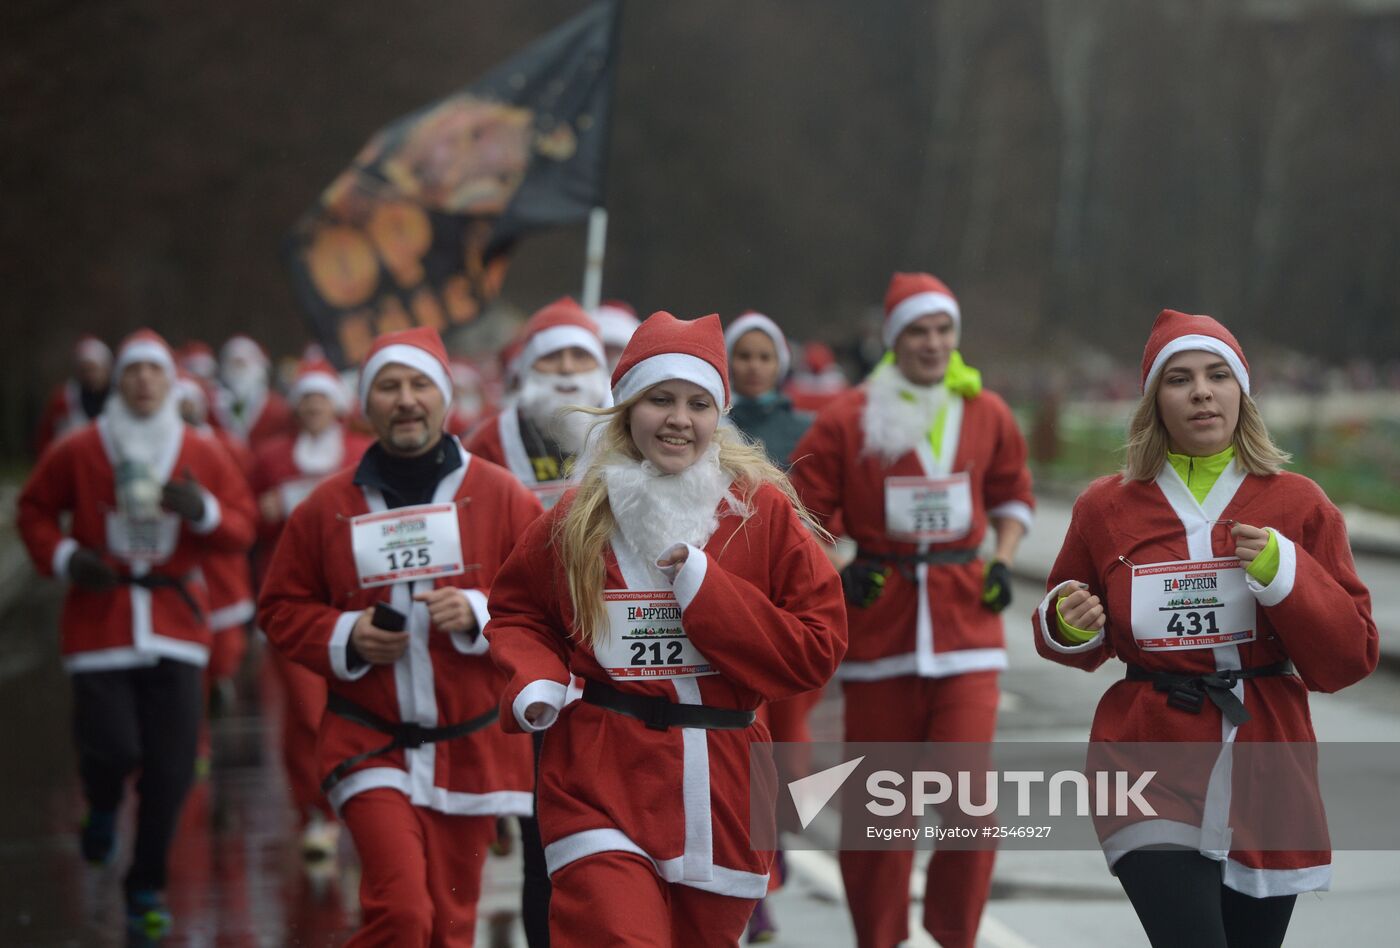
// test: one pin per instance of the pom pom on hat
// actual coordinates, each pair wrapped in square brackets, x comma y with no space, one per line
[753,320]
[1174,332]
[420,348]
[912,295]
[665,348]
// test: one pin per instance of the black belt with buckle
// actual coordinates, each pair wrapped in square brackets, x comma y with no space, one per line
[404,734]
[1189,692]
[660,713]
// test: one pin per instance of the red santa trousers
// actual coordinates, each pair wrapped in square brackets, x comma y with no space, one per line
[616,899]
[955,708]
[420,871]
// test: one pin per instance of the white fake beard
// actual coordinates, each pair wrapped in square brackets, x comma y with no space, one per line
[319,454]
[245,383]
[541,402]
[656,511]
[898,414]
[143,440]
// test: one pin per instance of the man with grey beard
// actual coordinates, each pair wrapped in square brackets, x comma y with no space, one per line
[560,364]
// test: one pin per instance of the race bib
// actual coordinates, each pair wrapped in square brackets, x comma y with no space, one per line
[549,492]
[142,539]
[646,639]
[407,544]
[294,492]
[928,509]
[1191,604]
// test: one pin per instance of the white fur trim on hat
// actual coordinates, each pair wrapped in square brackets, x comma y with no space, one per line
[94,350]
[414,358]
[748,323]
[319,383]
[1197,343]
[244,346]
[615,325]
[663,368]
[144,350]
[920,304]
[551,340]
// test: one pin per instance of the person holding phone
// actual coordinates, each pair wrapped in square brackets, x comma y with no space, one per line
[1226,586]
[379,584]
[682,581]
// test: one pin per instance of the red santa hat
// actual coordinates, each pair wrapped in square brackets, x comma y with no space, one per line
[420,348]
[754,320]
[665,348]
[817,357]
[912,295]
[144,345]
[617,321]
[319,377]
[91,349]
[244,347]
[560,325]
[197,358]
[1174,332]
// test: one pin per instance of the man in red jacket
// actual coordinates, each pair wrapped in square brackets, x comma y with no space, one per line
[918,462]
[149,498]
[560,363]
[379,585]
[246,404]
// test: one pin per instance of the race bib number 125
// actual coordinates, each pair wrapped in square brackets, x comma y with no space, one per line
[407,544]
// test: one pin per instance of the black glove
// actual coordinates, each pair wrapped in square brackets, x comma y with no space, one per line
[185,498]
[996,586]
[89,570]
[863,582]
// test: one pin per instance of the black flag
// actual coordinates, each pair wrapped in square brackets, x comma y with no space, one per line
[416,232]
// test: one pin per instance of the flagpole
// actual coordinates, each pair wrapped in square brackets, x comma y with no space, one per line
[593,257]
[598,217]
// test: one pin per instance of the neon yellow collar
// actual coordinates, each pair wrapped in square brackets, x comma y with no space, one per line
[1200,474]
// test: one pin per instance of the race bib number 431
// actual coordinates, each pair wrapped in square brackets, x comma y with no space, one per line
[406,544]
[1191,604]
[646,639]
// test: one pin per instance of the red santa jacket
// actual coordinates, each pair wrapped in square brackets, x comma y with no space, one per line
[763,605]
[498,440]
[934,625]
[229,575]
[310,601]
[274,468]
[1316,613]
[131,625]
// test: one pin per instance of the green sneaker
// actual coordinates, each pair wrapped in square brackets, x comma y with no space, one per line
[147,915]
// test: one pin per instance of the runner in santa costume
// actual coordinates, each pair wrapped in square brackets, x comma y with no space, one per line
[245,404]
[818,380]
[617,322]
[149,499]
[1204,502]
[196,358]
[759,359]
[228,576]
[918,461]
[80,399]
[643,788]
[559,364]
[286,469]
[410,754]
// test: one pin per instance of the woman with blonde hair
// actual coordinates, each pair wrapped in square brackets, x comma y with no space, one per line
[682,582]
[1226,585]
